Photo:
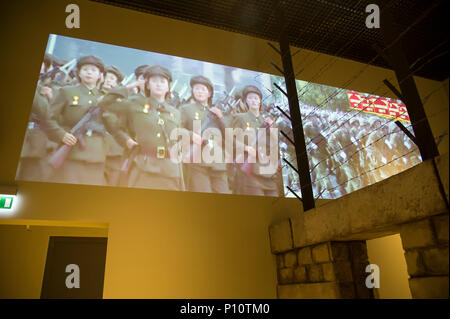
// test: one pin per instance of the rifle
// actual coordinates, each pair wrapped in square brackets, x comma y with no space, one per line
[127,79]
[211,121]
[57,159]
[125,167]
[49,74]
[226,103]
[66,69]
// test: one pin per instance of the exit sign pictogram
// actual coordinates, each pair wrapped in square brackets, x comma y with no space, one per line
[6,202]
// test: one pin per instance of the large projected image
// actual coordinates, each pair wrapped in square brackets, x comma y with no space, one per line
[114,116]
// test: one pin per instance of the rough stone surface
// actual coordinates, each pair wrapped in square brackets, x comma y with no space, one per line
[436,260]
[362,292]
[410,195]
[339,251]
[358,251]
[304,256]
[441,227]
[417,234]
[286,275]
[414,263]
[320,253]
[315,273]
[359,273]
[328,272]
[343,271]
[290,259]
[347,290]
[280,261]
[362,212]
[280,236]
[326,290]
[429,287]
[300,274]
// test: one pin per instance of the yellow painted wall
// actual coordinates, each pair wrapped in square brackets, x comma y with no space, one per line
[162,244]
[23,253]
[387,252]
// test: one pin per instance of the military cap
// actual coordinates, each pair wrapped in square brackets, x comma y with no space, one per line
[375,121]
[90,59]
[200,79]
[158,70]
[250,89]
[140,70]
[112,69]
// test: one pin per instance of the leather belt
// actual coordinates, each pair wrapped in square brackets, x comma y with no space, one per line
[159,152]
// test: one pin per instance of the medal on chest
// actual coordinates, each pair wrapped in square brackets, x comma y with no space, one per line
[75,99]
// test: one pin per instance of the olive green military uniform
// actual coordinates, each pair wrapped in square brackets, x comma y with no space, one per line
[32,166]
[255,183]
[205,177]
[114,151]
[86,160]
[149,123]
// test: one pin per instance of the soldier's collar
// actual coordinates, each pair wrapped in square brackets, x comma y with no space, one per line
[201,106]
[94,90]
[254,115]
[157,104]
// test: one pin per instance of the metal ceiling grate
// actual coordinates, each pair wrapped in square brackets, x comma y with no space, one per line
[325,26]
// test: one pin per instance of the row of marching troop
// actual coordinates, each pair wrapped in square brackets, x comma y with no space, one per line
[88,126]
[349,150]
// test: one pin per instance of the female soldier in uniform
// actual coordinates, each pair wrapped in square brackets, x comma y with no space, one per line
[86,160]
[204,177]
[150,120]
[34,151]
[114,152]
[112,78]
[137,87]
[254,182]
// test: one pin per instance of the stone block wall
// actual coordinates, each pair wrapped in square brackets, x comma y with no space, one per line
[329,270]
[322,254]
[426,251]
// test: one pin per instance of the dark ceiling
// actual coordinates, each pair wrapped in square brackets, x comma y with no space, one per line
[335,27]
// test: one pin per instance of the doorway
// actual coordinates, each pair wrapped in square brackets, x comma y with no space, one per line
[75,268]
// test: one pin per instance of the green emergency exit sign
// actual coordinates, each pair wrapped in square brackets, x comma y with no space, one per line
[6,202]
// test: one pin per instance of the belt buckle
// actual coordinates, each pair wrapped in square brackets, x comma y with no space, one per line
[31,125]
[160,152]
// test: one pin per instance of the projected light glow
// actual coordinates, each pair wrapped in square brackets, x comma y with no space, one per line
[142,97]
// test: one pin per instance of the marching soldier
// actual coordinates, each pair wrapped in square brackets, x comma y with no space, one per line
[254,182]
[112,79]
[319,158]
[374,157]
[137,87]
[114,152]
[361,138]
[205,177]
[32,166]
[150,120]
[86,160]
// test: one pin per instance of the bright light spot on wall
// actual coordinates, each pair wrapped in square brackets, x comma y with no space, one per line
[7,203]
